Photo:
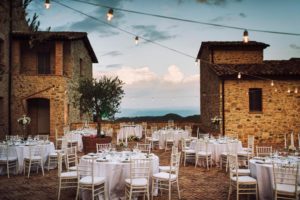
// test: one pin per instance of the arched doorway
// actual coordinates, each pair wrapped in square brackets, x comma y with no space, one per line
[39,112]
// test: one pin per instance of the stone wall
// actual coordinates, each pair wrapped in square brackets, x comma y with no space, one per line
[237,56]
[280,115]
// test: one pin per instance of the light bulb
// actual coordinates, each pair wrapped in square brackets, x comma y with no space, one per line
[239,75]
[272,83]
[246,37]
[110,14]
[296,90]
[136,40]
[47,4]
[289,90]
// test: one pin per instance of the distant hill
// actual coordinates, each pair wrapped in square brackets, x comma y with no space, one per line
[164,118]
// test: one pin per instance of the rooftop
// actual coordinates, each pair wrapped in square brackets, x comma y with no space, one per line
[47,35]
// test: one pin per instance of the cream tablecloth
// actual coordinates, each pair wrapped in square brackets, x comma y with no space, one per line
[127,131]
[76,135]
[177,134]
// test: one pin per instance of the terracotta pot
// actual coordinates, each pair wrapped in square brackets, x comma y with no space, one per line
[89,143]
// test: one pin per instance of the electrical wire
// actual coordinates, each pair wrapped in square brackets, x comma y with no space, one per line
[189,20]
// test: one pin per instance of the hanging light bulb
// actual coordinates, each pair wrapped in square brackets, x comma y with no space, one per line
[239,75]
[289,90]
[276,90]
[47,4]
[296,91]
[272,83]
[246,37]
[110,14]
[136,40]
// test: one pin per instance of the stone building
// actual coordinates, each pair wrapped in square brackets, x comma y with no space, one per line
[250,95]
[39,69]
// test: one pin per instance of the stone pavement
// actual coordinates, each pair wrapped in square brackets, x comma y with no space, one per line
[195,183]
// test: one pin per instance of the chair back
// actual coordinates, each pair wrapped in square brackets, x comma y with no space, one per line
[86,168]
[286,174]
[145,148]
[43,137]
[233,165]
[174,164]
[59,164]
[71,157]
[66,129]
[170,136]
[103,147]
[263,151]
[36,150]
[153,129]
[203,135]
[174,149]
[232,147]
[3,152]
[140,168]
[201,145]
[251,143]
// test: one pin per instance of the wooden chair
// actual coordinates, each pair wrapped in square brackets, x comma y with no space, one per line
[203,153]
[35,158]
[165,180]
[145,148]
[139,178]
[8,159]
[242,184]
[263,151]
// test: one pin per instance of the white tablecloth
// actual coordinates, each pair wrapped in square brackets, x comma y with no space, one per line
[23,151]
[115,171]
[177,134]
[76,135]
[127,131]
[217,148]
[263,173]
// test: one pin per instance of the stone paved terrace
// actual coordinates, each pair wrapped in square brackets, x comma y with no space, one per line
[195,183]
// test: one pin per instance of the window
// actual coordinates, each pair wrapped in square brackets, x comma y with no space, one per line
[255,99]
[44,63]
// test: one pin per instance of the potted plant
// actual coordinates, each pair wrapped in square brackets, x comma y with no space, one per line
[101,97]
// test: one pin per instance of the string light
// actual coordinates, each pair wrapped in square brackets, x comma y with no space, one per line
[239,75]
[246,37]
[289,90]
[47,4]
[136,40]
[272,83]
[296,91]
[110,14]
[275,90]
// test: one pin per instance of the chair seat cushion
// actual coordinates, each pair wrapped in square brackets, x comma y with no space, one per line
[169,140]
[224,153]
[87,180]
[33,158]
[203,153]
[244,179]
[10,158]
[153,139]
[137,181]
[243,153]
[73,168]
[286,188]
[72,141]
[164,176]
[242,172]
[189,151]
[54,154]
[166,168]
[71,174]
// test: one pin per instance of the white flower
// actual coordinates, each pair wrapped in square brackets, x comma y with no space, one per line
[24,120]
[216,120]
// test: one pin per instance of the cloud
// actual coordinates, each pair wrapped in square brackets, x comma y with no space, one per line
[112,53]
[243,15]
[294,46]
[174,75]
[216,2]
[150,32]
[147,89]
[113,66]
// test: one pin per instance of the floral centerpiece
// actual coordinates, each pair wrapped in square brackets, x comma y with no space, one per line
[216,121]
[24,121]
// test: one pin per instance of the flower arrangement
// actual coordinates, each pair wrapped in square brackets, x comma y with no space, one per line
[216,120]
[24,121]
[133,138]
[292,148]
[122,144]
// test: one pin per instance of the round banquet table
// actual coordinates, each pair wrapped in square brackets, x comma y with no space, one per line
[178,134]
[115,167]
[217,147]
[127,131]
[76,135]
[22,150]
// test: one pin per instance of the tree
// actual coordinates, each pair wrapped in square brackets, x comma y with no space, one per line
[101,97]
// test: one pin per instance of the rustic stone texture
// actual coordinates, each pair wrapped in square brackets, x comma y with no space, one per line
[280,113]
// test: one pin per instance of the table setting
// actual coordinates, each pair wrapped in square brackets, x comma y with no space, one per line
[129,130]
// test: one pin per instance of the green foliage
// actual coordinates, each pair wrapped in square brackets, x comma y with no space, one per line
[102,97]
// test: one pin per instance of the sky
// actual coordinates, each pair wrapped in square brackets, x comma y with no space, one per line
[158,78]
